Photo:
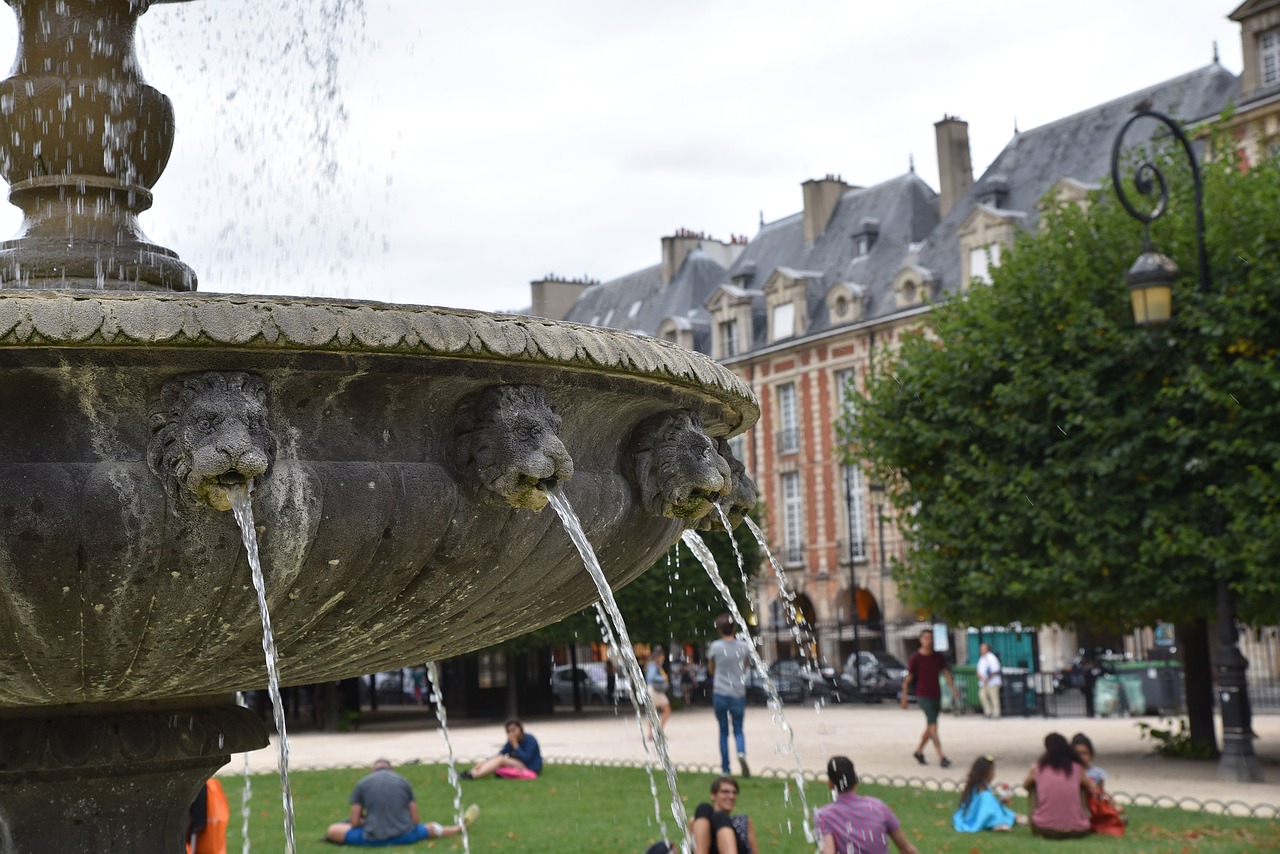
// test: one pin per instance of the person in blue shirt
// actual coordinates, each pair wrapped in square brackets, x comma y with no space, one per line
[980,808]
[520,754]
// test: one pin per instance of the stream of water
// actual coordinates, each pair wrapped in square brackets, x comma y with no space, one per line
[611,641]
[246,792]
[631,667]
[708,561]
[437,697]
[784,590]
[242,507]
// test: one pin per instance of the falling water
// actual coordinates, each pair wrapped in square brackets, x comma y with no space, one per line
[783,589]
[708,561]
[243,510]
[639,692]
[611,641]
[246,793]
[733,541]
[437,697]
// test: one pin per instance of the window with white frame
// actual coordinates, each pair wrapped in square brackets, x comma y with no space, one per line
[788,432]
[846,390]
[1269,57]
[856,508]
[982,259]
[738,447]
[728,338]
[782,324]
[792,519]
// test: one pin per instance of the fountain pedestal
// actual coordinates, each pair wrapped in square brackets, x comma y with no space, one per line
[113,778]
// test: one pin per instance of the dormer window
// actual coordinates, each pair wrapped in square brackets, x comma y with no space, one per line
[845,302]
[865,238]
[782,324]
[982,259]
[728,338]
[1269,57]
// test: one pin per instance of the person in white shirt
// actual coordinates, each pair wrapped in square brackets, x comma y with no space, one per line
[989,681]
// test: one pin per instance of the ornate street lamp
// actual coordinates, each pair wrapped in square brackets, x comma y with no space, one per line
[1150,281]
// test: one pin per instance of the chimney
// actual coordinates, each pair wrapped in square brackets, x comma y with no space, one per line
[554,296]
[955,172]
[676,248]
[820,199]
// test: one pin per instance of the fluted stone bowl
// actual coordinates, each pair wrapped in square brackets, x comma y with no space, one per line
[383,540]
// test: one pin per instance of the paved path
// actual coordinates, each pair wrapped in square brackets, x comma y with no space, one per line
[879,739]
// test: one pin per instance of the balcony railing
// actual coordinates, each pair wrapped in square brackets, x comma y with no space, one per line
[848,551]
[788,441]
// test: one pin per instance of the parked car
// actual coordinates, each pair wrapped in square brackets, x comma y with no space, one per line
[790,688]
[879,676]
[818,681]
[594,677]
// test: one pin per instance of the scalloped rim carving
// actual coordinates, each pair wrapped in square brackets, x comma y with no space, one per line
[80,319]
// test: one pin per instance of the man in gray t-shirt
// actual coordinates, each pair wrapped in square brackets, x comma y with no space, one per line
[728,659]
[384,812]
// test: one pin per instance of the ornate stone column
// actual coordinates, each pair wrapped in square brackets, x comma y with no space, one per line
[83,139]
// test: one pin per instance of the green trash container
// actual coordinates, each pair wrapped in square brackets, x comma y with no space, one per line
[1119,694]
[966,676]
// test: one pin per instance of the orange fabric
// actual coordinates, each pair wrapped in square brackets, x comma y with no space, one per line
[213,839]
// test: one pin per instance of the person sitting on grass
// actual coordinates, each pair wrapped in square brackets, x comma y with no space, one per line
[1057,790]
[1083,747]
[519,758]
[853,822]
[715,829]
[980,808]
[384,812]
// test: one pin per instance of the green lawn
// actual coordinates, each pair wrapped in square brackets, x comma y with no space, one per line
[574,809]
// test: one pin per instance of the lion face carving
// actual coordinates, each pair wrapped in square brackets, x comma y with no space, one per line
[507,437]
[209,435]
[740,498]
[676,466]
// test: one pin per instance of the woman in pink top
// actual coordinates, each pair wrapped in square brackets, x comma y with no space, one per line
[1057,790]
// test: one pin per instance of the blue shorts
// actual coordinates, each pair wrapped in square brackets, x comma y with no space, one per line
[355,836]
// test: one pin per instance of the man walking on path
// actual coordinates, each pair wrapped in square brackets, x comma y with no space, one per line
[384,812]
[924,668]
[989,681]
[728,660]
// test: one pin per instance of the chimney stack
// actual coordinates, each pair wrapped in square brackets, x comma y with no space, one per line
[554,296]
[955,171]
[821,195]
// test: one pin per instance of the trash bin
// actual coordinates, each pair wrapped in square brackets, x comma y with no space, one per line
[966,676]
[1161,686]
[1013,691]
[1119,694]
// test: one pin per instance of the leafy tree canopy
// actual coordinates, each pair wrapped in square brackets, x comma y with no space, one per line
[673,599]
[1054,463]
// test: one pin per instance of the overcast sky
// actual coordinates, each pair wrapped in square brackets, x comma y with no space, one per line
[448,153]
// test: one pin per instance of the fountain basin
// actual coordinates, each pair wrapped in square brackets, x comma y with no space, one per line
[380,548]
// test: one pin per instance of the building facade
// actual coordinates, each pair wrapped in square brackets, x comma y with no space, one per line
[804,310]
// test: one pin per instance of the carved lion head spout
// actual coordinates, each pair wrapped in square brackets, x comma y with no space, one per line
[676,466]
[738,501]
[507,437]
[209,435]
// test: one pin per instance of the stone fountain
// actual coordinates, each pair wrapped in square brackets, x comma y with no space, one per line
[396,454]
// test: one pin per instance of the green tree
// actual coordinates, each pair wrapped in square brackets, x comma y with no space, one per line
[1053,463]
[673,599]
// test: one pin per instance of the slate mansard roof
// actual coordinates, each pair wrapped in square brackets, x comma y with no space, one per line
[903,212]
[902,209]
[1076,147]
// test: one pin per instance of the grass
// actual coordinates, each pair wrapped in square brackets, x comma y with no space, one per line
[604,809]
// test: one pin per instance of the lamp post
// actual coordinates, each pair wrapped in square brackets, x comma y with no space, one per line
[1150,281]
[877,489]
[850,502]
